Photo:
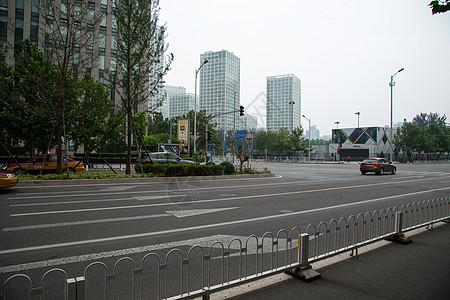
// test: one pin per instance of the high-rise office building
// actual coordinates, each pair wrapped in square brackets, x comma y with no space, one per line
[181,104]
[315,133]
[247,122]
[220,87]
[21,19]
[283,102]
[167,93]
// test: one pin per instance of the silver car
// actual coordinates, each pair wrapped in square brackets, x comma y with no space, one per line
[163,157]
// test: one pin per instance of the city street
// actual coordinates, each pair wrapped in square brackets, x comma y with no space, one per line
[69,227]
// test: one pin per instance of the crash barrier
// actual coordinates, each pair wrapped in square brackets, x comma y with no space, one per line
[202,270]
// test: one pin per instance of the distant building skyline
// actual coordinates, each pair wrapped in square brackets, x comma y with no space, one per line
[315,133]
[169,92]
[181,104]
[220,87]
[248,122]
[283,102]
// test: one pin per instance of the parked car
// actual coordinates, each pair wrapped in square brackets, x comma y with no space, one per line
[377,165]
[46,163]
[7,179]
[163,157]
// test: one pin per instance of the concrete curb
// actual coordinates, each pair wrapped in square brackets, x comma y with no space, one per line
[135,180]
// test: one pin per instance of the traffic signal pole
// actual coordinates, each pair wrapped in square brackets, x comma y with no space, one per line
[240,110]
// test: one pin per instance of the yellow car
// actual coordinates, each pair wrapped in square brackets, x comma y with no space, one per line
[45,164]
[7,179]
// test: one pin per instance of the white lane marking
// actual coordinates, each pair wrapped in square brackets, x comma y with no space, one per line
[208,200]
[70,202]
[97,221]
[118,188]
[174,213]
[195,212]
[82,194]
[215,241]
[139,198]
[209,226]
[121,252]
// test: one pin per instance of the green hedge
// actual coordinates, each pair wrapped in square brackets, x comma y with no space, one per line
[172,170]
[228,168]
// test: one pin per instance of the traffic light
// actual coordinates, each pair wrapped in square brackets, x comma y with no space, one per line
[241,110]
[338,150]
[208,134]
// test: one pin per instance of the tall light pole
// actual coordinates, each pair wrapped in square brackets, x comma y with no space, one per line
[291,107]
[234,121]
[339,139]
[195,104]
[309,138]
[358,113]
[391,84]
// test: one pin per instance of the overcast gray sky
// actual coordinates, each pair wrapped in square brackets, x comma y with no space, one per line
[344,53]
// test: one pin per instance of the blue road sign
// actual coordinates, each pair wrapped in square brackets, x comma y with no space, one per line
[240,134]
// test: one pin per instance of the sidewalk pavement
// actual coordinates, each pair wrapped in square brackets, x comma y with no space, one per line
[419,270]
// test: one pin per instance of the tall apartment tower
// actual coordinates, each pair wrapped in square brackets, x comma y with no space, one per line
[168,92]
[220,87]
[248,122]
[21,19]
[181,104]
[283,102]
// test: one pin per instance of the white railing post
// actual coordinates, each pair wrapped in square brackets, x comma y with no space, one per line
[75,288]
[398,236]
[303,249]
[399,222]
[71,289]
[304,271]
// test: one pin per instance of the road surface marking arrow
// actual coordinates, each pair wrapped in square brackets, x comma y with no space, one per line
[195,212]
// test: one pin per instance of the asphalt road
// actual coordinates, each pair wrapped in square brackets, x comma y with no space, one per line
[45,227]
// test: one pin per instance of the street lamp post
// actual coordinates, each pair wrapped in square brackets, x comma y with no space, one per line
[392,84]
[291,107]
[234,122]
[358,113]
[309,138]
[195,103]
[339,140]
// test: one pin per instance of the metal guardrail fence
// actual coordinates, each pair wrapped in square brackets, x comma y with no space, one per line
[206,270]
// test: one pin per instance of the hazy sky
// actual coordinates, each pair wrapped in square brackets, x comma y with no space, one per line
[344,53]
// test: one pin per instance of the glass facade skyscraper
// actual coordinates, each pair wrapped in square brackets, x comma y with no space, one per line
[283,102]
[220,87]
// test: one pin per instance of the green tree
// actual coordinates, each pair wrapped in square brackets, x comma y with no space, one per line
[265,140]
[151,141]
[282,140]
[140,57]
[70,29]
[7,101]
[114,140]
[140,123]
[424,120]
[439,6]
[35,111]
[439,138]
[411,138]
[88,121]
[157,123]
[296,142]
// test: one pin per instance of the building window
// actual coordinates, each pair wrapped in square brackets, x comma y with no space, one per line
[34,28]
[3,25]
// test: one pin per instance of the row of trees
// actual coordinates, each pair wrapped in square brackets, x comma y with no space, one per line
[280,141]
[427,133]
[42,98]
